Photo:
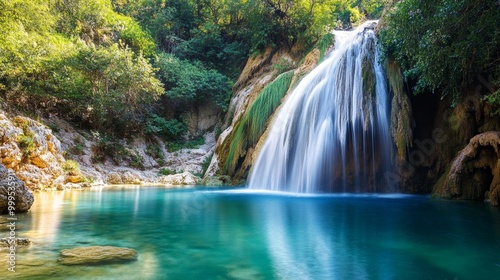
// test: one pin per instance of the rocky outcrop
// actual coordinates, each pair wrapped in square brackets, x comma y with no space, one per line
[203,118]
[474,172]
[23,198]
[401,112]
[31,150]
[184,178]
[216,181]
[257,74]
[96,255]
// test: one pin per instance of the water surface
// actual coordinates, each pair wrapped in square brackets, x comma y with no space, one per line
[200,234]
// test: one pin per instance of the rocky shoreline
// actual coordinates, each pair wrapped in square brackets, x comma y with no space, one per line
[51,154]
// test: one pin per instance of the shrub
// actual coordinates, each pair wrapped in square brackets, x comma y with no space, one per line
[167,129]
[71,167]
[166,171]
[26,143]
[206,163]
[136,161]
[283,65]
[154,150]
[187,84]
[115,84]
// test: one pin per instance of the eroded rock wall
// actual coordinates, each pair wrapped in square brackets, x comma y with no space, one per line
[31,150]
[474,173]
[257,74]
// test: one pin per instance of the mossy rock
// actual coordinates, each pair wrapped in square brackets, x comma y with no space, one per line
[96,255]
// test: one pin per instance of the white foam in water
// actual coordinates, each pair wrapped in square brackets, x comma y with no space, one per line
[264,192]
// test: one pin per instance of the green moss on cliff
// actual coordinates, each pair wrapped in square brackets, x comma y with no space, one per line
[401,115]
[253,123]
[324,44]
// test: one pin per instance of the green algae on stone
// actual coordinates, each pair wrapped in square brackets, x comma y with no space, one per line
[96,255]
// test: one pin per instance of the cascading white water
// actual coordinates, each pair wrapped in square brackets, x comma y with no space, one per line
[332,132]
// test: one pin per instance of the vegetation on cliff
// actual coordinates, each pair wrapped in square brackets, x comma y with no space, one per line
[253,123]
[445,45]
[443,67]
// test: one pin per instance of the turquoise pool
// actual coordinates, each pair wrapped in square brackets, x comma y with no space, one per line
[237,234]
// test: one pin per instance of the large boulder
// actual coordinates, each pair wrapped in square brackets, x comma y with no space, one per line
[31,150]
[95,255]
[184,178]
[22,196]
[474,174]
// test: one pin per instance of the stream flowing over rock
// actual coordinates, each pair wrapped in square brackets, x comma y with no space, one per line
[23,198]
[475,171]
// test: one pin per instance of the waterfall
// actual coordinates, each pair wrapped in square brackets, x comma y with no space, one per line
[332,131]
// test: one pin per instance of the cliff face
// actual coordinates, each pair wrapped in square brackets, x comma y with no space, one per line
[257,95]
[31,150]
[436,140]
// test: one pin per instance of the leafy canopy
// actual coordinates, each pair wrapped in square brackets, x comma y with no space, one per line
[444,44]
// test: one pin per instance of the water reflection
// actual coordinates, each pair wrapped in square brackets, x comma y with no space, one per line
[191,234]
[44,218]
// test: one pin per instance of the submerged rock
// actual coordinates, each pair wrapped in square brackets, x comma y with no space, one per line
[474,172]
[6,242]
[96,255]
[22,196]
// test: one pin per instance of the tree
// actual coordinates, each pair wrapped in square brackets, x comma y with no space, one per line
[445,44]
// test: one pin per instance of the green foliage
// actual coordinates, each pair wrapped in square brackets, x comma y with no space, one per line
[135,160]
[115,84]
[94,21]
[327,41]
[187,84]
[154,150]
[174,146]
[78,59]
[196,142]
[253,123]
[78,147]
[103,148]
[283,65]
[26,143]
[166,171]
[54,127]
[71,167]
[206,163]
[444,45]
[107,147]
[494,100]
[209,47]
[167,129]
